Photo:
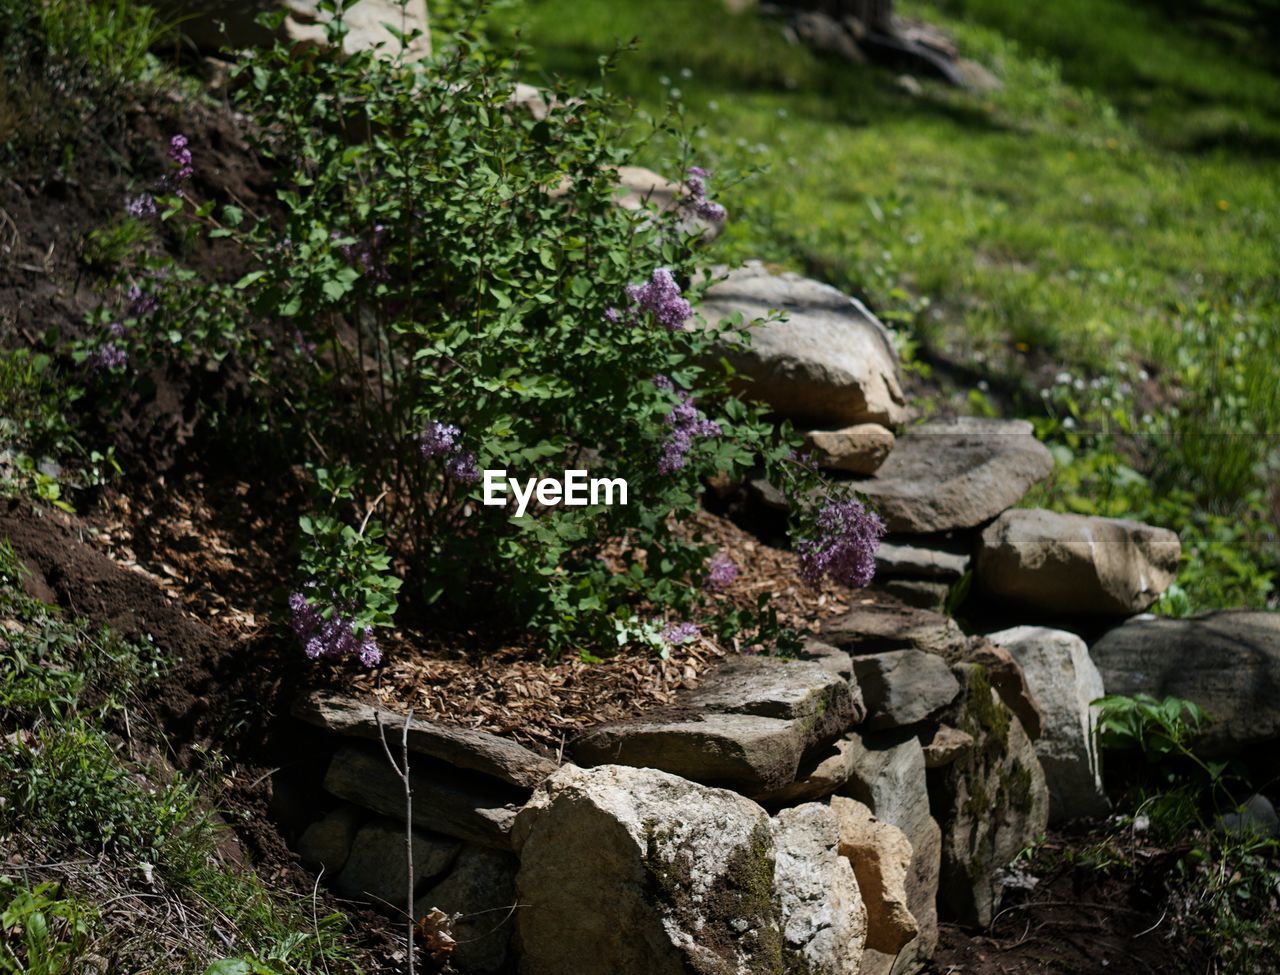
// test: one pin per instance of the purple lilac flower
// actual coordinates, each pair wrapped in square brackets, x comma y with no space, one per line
[141,303]
[687,424]
[721,572]
[141,206]
[612,315]
[116,329]
[675,634]
[664,383]
[439,439]
[109,356]
[696,180]
[660,296]
[462,467]
[365,254]
[181,155]
[844,545]
[332,638]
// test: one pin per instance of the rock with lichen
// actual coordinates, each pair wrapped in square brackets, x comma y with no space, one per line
[627,871]
[992,802]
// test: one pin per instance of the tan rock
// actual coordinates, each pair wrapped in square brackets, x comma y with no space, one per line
[859,449]
[944,745]
[880,855]
[828,362]
[1075,565]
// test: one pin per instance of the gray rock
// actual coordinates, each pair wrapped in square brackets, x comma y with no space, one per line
[901,687]
[822,32]
[820,776]
[462,748]
[991,803]
[444,801]
[880,855]
[949,474]
[326,843]
[1256,816]
[377,871]
[1009,681]
[859,449]
[1064,680]
[627,871]
[213,24]
[920,593]
[640,188]
[1226,662]
[824,919]
[880,622]
[832,659]
[889,778]
[945,560]
[748,726]
[482,889]
[1075,565]
[831,362]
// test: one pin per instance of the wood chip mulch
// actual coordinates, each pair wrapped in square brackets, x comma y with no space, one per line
[204,547]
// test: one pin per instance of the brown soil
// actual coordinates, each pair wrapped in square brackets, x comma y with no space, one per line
[1078,919]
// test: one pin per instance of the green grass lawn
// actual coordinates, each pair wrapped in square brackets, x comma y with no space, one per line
[1109,214]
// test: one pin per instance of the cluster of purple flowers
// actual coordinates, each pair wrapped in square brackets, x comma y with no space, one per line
[365,254]
[332,638]
[140,302]
[659,296]
[109,355]
[721,573]
[142,206]
[686,424]
[696,180]
[441,440]
[844,545]
[675,634]
[181,155]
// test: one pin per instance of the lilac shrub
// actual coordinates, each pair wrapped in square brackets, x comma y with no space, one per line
[461,292]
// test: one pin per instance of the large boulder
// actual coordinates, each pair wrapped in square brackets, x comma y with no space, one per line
[627,871]
[1075,565]
[950,474]
[880,855]
[215,24]
[889,778]
[830,362]
[1226,662]
[748,726]
[991,802]
[902,687]
[1065,681]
